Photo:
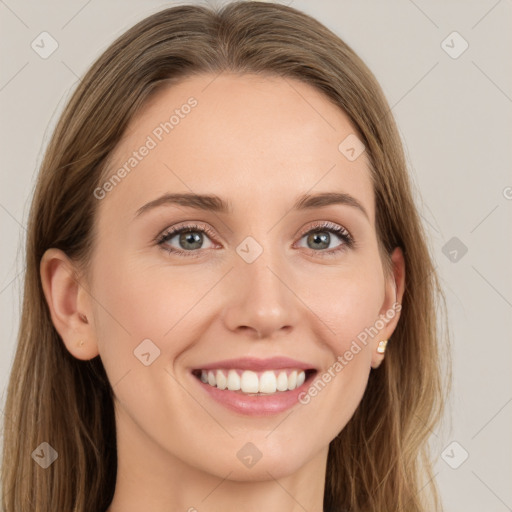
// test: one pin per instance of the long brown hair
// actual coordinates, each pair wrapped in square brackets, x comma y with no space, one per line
[380,461]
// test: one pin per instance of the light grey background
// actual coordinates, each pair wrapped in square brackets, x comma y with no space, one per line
[454,115]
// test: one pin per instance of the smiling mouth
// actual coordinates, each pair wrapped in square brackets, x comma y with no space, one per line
[248,382]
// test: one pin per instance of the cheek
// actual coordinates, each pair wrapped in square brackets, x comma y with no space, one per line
[348,304]
[141,300]
[134,305]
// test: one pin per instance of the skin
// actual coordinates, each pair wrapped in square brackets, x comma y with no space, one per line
[258,143]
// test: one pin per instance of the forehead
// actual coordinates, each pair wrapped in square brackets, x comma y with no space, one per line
[253,139]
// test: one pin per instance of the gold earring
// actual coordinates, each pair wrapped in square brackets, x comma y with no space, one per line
[382,346]
[80,343]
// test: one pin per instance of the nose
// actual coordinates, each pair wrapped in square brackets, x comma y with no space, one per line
[260,299]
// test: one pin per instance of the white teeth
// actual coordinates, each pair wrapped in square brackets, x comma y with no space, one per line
[282,382]
[301,377]
[233,380]
[292,380]
[221,380]
[249,382]
[267,382]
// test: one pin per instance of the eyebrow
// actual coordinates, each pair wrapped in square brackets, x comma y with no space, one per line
[213,203]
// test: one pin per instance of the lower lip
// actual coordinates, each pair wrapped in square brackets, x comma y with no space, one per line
[262,405]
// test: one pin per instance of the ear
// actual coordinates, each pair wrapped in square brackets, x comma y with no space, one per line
[69,304]
[392,305]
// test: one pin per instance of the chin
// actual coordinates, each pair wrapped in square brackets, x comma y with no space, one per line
[265,464]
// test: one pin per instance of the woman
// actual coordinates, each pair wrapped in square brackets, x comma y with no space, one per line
[185,343]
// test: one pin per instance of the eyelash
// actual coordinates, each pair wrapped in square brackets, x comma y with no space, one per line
[342,233]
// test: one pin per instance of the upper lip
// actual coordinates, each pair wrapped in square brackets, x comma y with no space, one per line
[255,364]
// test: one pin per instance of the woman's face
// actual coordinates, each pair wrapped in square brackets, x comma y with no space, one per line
[261,277]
